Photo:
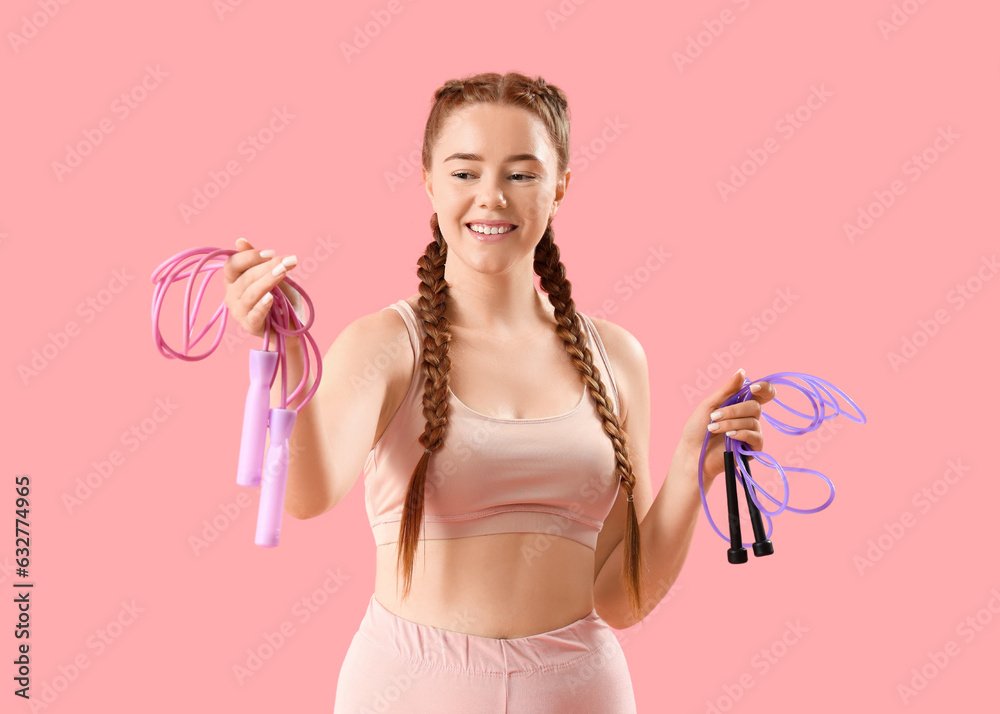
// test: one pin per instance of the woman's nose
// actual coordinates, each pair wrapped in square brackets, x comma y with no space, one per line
[491,194]
[492,197]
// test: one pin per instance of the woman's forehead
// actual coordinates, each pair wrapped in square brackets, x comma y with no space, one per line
[494,133]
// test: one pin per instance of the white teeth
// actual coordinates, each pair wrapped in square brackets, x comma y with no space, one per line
[489,230]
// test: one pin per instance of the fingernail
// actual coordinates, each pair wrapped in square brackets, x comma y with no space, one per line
[715,415]
[740,373]
[289,260]
[713,427]
[267,253]
[730,433]
[241,239]
[755,387]
[278,269]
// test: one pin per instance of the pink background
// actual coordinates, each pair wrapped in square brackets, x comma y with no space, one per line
[650,183]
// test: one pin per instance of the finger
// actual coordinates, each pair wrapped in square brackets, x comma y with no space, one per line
[750,436]
[766,392]
[265,277]
[748,408]
[278,269]
[235,269]
[263,272]
[258,313]
[728,388]
[242,244]
[724,426]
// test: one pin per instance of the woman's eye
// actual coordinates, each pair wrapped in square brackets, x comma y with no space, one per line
[458,174]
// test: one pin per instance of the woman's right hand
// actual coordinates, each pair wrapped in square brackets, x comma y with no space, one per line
[249,280]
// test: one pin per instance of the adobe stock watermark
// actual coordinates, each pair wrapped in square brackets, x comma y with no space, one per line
[630,283]
[540,542]
[30,26]
[706,36]
[225,515]
[560,13]
[248,150]
[611,655]
[900,15]
[271,641]
[722,362]
[387,699]
[210,530]
[589,491]
[787,127]
[936,660]
[769,480]
[442,467]
[59,341]
[583,156]
[6,569]
[957,297]
[376,366]
[664,593]
[923,501]
[101,469]
[806,449]
[97,643]
[224,7]
[761,663]
[914,168]
[370,29]
[407,165]
[382,701]
[121,108]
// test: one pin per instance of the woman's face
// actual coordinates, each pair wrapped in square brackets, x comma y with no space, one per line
[494,163]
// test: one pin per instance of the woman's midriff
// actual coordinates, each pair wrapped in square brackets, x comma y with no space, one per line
[502,585]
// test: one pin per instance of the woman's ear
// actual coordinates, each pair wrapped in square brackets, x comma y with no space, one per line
[560,193]
[425,179]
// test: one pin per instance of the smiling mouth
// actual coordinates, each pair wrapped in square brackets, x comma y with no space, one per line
[490,232]
[489,237]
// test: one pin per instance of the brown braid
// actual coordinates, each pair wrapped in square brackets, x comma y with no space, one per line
[568,327]
[549,103]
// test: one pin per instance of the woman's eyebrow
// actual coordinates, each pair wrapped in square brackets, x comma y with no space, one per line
[476,157]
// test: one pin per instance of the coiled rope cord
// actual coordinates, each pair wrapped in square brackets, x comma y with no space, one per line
[281,318]
[819,392]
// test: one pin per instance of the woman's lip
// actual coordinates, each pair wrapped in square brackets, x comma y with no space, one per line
[490,238]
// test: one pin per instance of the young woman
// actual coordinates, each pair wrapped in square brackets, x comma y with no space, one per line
[505,447]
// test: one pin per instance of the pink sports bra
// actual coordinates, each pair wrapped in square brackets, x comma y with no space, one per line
[550,475]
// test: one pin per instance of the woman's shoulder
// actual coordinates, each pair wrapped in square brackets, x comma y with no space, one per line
[617,340]
[626,357]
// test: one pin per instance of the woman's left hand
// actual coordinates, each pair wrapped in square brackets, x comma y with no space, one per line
[742,417]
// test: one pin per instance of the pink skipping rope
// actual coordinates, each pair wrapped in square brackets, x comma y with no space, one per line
[258,415]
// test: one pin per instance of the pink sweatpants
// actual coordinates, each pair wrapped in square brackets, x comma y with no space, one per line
[399,666]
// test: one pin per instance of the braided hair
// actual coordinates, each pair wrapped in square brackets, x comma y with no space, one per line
[549,103]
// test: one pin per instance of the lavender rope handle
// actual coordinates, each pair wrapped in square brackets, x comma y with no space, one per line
[264,366]
[816,391]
